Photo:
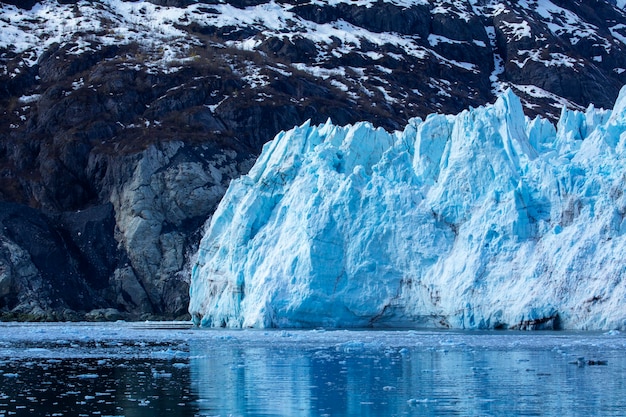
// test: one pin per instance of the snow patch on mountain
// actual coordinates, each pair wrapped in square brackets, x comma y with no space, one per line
[564,21]
[121,22]
[115,21]
[440,37]
[518,30]
[536,92]
[486,219]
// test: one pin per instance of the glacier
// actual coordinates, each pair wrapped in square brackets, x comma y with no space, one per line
[482,220]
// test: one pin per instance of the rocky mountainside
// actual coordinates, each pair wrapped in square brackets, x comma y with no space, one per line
[123,122]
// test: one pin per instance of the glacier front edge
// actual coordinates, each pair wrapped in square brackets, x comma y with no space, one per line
[486,219]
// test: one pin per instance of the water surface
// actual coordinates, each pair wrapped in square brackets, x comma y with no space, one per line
[169,369]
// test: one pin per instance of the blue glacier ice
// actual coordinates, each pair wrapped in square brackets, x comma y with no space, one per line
[485,219]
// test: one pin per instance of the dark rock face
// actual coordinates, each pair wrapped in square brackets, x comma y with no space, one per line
[119,137]
[23,4]
[380,17]
[38,267]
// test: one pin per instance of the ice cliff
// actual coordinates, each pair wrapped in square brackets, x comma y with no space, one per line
[485,219]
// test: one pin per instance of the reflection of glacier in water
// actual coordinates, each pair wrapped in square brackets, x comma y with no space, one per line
[343,373]
[165,369]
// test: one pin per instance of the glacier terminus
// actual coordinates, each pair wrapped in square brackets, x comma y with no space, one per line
[482,220]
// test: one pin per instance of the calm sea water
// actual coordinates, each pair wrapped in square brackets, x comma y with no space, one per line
[168,369]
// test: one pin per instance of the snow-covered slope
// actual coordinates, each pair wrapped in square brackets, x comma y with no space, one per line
[550,53]
[486,219]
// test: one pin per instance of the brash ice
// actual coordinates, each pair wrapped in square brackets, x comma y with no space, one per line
[486,219]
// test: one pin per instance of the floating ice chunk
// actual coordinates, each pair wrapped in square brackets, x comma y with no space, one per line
[37,350]
[180,365]
[87,376]
[352,346]
[416,401]
[161,374]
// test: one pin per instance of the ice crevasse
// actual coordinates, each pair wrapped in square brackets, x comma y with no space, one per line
[485,219]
